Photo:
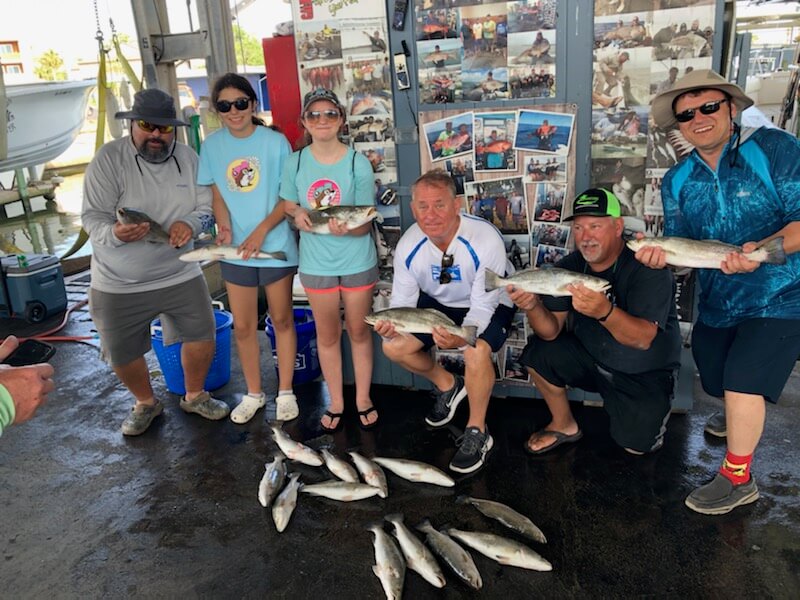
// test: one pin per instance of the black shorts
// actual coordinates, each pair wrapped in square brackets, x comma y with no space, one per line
[754,357]
[495,333]
[638,404]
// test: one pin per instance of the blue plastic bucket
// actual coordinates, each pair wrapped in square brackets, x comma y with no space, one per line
[306,362]
[169,357]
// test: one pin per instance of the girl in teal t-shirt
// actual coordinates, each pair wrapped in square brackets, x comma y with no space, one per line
[340,264]
[242,163]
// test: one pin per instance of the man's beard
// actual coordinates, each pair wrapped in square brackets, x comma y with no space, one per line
[154,155]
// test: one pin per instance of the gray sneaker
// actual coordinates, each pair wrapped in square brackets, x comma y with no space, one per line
[716,425]
[473,447]
[140,417]
[720,496]
[206,406]
[446,403]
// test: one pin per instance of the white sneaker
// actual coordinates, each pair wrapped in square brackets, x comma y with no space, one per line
[248,407]
[287,407]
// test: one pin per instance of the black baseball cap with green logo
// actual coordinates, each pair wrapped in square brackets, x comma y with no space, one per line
[595,202]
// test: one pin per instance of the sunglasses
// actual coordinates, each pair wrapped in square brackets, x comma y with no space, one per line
[312,116]
[224,106]
[709,108]
[444,273]
[151,127]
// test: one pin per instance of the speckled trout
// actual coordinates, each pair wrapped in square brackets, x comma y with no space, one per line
[352,216]
[503,550]
[551,282]
[422,320]
[708,254]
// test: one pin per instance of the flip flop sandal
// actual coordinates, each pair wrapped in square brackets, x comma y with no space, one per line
[364,413]
[331,416]
[560,438]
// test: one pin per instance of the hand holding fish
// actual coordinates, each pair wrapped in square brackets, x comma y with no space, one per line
[736,262]
[301,219]
[446,340]
[650,256]
[588,302]
[524,300]
[337,227]
[224,235]
[132,232]
[385,329]
[252,244]
[180,233]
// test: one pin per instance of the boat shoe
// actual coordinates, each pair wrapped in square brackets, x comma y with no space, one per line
[206,406]
[140,417]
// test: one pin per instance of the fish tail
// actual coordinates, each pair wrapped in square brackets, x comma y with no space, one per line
[775,252]
[279,255]
[471,334]
[491,280]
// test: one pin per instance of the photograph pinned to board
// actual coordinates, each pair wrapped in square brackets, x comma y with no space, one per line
[548,168]
[451,360]
[462,170]
[552,235]
[531,15]
[439,54]
[440,86]
[364,36]
[494,148]
[502,202]
[328,74]
[622,31]
[449,137]
[513,369]
[485,31]
[437,24]
[532,82]
[532,48]
[620,133]
[621,79]
[518,250]
[625,178]
[364,74]
[543,131]
[549,202]
[549,255]
[681,33]
[371,128]
[318,40]
[368,103]
[482,85]
[519,330]
[381,156]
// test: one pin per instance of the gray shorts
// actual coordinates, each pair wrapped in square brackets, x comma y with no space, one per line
[123,320]
[321,284]
[254,276]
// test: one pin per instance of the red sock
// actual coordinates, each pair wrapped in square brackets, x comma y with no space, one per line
[736,468]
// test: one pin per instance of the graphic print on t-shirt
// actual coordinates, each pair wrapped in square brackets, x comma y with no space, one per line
[243,174]
[324,192]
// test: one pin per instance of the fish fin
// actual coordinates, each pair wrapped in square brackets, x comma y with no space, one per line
[439,313]
[472,334]
[775,252]
[377,570]
[490,280]
[279,255]
[394,517]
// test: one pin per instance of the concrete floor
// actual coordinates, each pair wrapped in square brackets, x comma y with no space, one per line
[88,513]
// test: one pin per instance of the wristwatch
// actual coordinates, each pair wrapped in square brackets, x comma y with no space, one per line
[608,314]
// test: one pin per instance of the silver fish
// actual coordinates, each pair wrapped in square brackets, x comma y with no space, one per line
[339,467]
[507,516]
[371,473]
[343,491]
[453,555]
[352,216]
[421,320]
[295,450]
[708,254]
[131,216]
[413,470]
[217,252]
[418,557]
[503,550]
[272,481]
[551,282]
[390,567]
[284,504]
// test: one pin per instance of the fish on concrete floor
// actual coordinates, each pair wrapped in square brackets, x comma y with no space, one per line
[343,491]
[272,481]
[295,450]
[452,554]
[284,504]
[413,470]
[503,550]
[418,557]
[389,566]
[507,516]
[371,473]
[339,468]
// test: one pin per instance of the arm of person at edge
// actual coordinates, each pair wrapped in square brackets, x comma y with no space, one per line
[22,389]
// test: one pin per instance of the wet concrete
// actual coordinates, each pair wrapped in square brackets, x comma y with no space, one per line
[86,512]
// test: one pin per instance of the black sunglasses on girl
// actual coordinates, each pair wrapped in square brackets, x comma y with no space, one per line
[151,127]
[709,108]
[224,106]
[315,115]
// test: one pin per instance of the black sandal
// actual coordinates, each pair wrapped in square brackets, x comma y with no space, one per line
[332,416]
[364,413]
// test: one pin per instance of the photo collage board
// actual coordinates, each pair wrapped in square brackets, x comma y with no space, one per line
[475,51]
[514,168]
[641,48]
[343,47]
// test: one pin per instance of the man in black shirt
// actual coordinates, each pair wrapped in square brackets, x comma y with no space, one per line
[623,343]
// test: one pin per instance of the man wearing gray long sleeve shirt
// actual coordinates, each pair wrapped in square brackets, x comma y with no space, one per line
[137,275]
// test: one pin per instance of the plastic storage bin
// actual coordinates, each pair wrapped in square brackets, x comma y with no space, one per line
[169,357]
[306,363]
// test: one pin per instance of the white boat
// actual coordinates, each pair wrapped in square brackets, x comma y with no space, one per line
[41,121]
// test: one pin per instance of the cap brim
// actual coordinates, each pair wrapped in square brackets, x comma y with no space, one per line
[154,120]
[589,214]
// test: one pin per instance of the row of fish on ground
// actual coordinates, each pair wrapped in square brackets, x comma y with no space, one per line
[391,561]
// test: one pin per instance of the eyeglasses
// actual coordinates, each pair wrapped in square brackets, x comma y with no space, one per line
[312,116]
[709,108]
[151,127]
[224,106]
[444,273]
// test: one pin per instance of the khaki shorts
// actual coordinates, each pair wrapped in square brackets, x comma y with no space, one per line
[123,320]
